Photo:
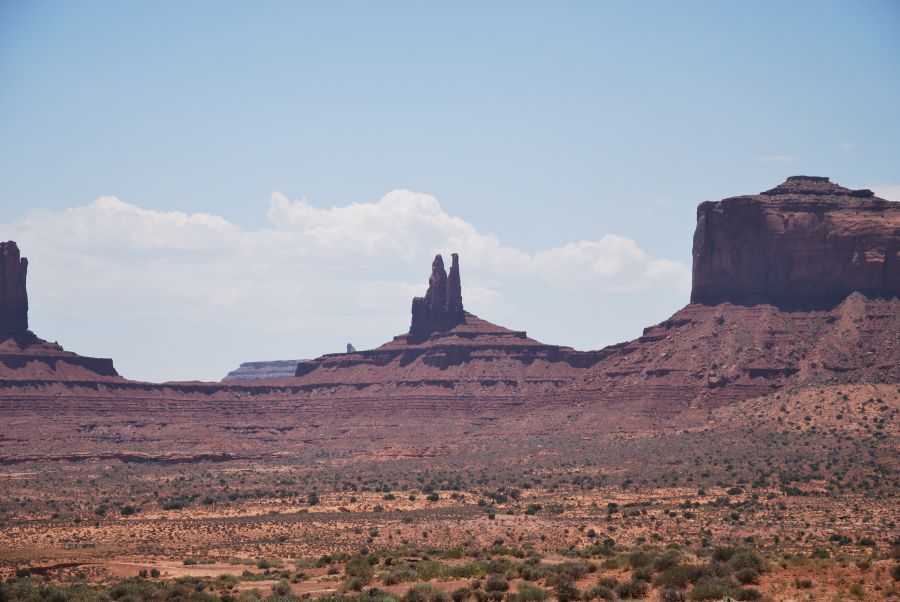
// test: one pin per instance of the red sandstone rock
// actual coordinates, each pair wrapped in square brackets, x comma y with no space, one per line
[805,244]
[441,308]
[13,294]
[24,356]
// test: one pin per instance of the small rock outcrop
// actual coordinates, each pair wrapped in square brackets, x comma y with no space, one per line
[441,308]
[805,244]
[13,293]
[351,348]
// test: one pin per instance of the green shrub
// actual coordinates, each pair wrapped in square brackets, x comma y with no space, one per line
[672,595]
[723,554]
[420,592]
[600,592]
[607,581]
[461,594]
[528,592]
[634,589]
[360,569]
[639,559]
[399,576]
[677,576]
[667,560]
[747,576]
[642,574]
[746,559]
[566,591]
[712,589]
[282,588]
[496,583]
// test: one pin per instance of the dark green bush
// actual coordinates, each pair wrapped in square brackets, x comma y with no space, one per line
[639,559]
[747,576]
[677,576]
[634,589]
[528,592]
[711,589]
[600,592]
[672,595]
[461,594]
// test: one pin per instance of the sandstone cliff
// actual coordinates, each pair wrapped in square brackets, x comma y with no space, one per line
[805,244]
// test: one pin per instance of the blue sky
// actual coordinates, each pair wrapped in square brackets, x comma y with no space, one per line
[544,124]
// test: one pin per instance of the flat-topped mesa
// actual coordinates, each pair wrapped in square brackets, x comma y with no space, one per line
[13,293]
[805,244]
[441,308]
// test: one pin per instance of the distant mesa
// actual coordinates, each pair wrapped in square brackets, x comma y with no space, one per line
[351,348]
[23,355]
[272,370]
[805,244]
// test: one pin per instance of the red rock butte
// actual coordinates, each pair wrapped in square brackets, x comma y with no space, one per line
[806,244]
[23,355]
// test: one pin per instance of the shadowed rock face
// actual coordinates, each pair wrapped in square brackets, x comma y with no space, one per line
[13,294]
[805,244]
[441,308]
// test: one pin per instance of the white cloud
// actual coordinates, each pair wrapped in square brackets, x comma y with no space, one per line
[310,273]
[776,159]
[890,192]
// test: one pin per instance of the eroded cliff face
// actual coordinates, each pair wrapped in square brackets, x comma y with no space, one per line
[806,244]
[13,294]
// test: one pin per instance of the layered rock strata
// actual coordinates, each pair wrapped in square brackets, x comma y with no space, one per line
[805,244]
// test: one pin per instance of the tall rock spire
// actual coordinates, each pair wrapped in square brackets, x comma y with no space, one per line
[13,295]
[441,308]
